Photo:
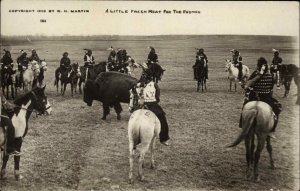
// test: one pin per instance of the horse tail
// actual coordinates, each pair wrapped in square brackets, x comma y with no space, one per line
[249,122]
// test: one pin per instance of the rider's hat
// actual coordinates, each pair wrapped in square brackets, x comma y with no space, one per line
[151,48]
[65,53]
[275,50]
[260,62]
[23,52]
[88,50]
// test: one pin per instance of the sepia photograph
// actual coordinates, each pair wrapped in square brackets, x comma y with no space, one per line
[149,95]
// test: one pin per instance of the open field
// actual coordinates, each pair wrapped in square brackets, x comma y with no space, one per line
[73,149]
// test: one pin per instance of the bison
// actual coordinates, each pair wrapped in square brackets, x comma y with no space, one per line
[110,88]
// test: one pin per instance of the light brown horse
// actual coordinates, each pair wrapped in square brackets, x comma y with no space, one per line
[257,121]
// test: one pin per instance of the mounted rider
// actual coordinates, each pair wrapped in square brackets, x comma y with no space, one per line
[200,57]
[237,61]
[277,60]
[112,59]
[89,61]
[65,64]
[34,57]
[6,109]
[6,64]
[261,85]
[151,95]
[23,62]
[152,57]
[121,61]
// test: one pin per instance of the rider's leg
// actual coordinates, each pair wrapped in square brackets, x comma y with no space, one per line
[277,107]
[240,75]
[164,132]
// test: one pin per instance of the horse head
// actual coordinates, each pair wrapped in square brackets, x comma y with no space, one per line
[35,68]
[228,64]
[43,65]
[39,101]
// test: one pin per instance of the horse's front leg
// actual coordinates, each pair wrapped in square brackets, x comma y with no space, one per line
[75,85]
[65,86]
[7,91]
[13,91]
[61,87]
[3,168]
[79,86]
[18,143]
[72,87]
[18,176]
[287,85]
[235,86]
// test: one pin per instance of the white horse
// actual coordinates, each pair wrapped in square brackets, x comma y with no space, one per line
[32,71]
[143,128]
[233,73]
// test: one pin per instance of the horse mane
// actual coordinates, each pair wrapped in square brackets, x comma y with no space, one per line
[23,96]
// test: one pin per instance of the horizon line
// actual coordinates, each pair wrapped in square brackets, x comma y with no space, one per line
[70,35]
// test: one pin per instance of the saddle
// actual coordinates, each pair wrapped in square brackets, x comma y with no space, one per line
[251,95]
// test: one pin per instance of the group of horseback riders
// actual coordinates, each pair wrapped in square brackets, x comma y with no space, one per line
[22,64]
[259,86]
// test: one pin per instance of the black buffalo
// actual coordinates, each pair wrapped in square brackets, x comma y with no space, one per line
[110,88]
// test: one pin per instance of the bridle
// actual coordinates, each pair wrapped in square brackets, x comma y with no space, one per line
[40,105]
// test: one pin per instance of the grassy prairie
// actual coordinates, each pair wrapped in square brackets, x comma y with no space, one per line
[73,149]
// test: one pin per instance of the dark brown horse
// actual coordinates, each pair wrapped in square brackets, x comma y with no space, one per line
[157,71]
[200,68]
[67,76]
[257,121]
[288,72]
[93,73]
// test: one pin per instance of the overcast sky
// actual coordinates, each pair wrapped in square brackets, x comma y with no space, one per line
[258,18]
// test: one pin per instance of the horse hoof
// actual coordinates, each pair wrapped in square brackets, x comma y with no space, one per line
[142,178]
[18,176]
[153,166]
[3,175]
[103,118]
[130,181]
[257,179]
[272,167]
[119,117]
